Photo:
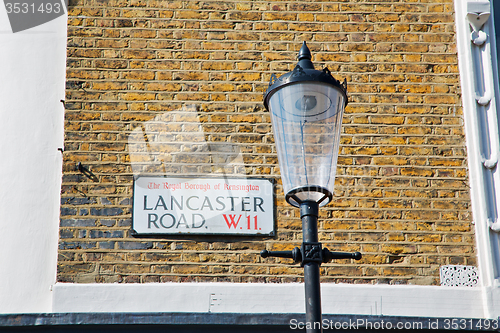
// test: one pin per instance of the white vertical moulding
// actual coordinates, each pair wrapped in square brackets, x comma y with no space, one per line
[476,48]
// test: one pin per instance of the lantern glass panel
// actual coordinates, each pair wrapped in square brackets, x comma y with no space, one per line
[306,119]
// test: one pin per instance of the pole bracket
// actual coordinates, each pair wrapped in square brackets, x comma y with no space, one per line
[311,252]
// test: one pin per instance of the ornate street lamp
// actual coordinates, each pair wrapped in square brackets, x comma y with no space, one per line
[306,107]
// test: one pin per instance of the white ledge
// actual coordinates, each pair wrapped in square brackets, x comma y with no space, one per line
[387,300]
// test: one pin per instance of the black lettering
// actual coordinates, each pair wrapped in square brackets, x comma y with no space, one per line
[151,220]
[146,203]
[173,221]
[161,203]
[193,222]
[188,200]
[182,220]
[218,199]
[255,204]
[173,200]
[207,203]
[232,202]
[243,203]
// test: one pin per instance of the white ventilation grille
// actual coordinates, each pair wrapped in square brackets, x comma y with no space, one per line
[459,276]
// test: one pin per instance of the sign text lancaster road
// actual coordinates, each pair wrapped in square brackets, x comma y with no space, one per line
[203,206]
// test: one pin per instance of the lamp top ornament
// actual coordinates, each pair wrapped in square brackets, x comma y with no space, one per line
[303,72]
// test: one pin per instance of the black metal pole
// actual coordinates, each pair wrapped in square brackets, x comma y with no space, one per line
[311,255]
[309,215]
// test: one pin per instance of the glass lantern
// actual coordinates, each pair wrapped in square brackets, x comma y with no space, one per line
[306,107]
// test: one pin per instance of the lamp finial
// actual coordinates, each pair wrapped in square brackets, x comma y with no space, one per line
[304,52]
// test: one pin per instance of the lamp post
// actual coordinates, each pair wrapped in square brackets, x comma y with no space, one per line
[306,107]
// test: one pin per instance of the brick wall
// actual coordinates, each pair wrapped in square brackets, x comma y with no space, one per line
[401,196]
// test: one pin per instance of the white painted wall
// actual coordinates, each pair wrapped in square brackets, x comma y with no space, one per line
[32,78]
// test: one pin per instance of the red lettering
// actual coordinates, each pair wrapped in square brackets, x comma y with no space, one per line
[232,223]
[153,186]
[255,222]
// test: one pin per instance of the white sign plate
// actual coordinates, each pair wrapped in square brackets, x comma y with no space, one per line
[165,205]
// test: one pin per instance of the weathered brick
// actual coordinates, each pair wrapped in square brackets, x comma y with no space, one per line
[402,175]
[78,222]
[135,245]
[106,211]
[106,234]
[75,268]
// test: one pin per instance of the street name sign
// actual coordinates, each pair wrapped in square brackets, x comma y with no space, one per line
[168,205]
